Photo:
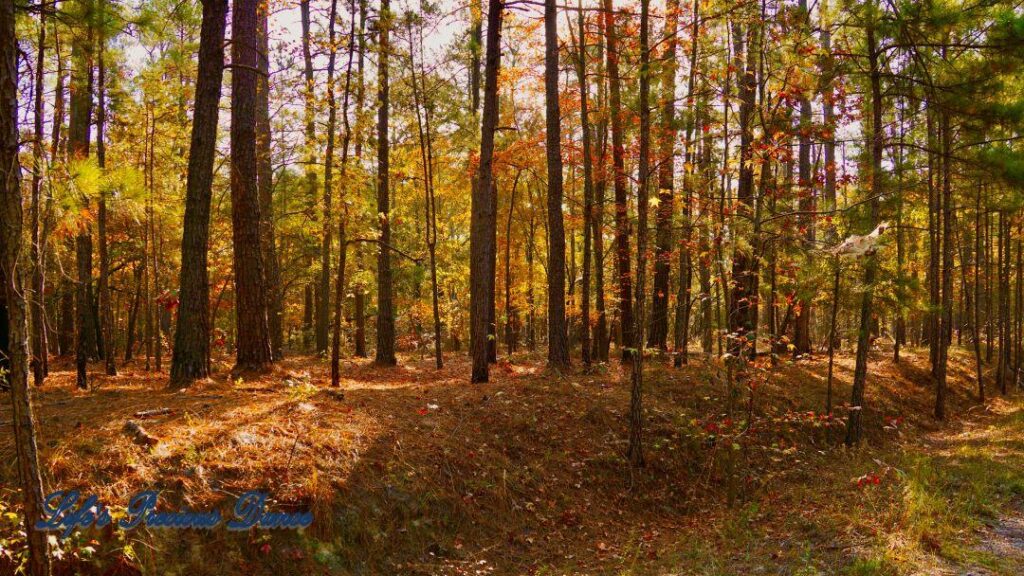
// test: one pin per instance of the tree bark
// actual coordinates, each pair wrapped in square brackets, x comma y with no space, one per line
[558,341]
[190,358]
[854,429]
[106,313]
[385,300]
[806,204]
[743,303]
[601,342]
[423,124]
[976,333]
[324,290]
[658,336]
[635,452]
[483,210]
[946,320]
[265,182]
[78,151]
[339,286]
[624,281]
[684,299]
[38,304]
[253,339]
[12,295]
[311,292]
[588,192]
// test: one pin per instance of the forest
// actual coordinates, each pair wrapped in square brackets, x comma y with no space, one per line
[511,287]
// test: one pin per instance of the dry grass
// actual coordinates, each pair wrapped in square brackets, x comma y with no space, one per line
[414,471]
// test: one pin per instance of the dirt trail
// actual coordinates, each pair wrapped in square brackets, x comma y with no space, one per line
[997,546]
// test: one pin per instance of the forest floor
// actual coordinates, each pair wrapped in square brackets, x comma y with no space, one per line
[411,470]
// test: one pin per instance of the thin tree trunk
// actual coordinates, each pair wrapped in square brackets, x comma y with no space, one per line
[310,292]
[324,291]
[805,187]
[429,201]
[339,286]
[265,183]
[38,304]
[635,452]
[946,321]
[854,428]
[601,343]
[133,314]
[588,193]
[106,315]
[832,336]
[976,333]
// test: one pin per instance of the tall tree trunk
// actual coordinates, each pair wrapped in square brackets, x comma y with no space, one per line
[324,290]
[743,302]
[311,294]
[1004,301]
[681,325]
[423,124]
[854,428]
[38,304]
[976,333]
[483,210]
[339,285]
[588,192]
[147,235]
[900,328]
[155,250]
[78,151]
[385,302]
[658,336]
[359,303]
[934,243]
[190,358]
[66,306]
[12,298]
[805,186]
[253,337]
[635,452]
[511,314]
[624,280]
[265,183]
[558,341]
[946,321]
[601,343]
[106,315]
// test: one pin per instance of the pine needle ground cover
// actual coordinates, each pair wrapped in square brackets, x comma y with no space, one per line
[411,471]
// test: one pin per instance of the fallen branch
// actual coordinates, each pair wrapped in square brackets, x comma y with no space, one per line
[154,412]
[139,434]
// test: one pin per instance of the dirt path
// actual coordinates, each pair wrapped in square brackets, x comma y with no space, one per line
[1004,539]
[983,463]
